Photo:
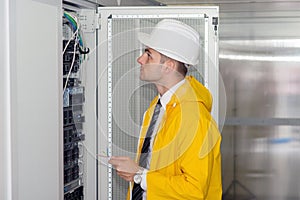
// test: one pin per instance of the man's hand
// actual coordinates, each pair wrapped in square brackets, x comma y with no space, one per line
[125,167]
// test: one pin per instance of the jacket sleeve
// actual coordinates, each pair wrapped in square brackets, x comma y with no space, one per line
[194,175]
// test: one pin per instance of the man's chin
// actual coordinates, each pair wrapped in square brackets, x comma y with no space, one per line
[142,78]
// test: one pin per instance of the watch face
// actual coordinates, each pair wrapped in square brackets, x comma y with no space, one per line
[137,178]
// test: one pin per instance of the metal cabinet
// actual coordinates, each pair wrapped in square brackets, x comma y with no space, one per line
[114,97]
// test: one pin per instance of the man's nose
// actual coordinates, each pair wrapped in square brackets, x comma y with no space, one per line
[142,59]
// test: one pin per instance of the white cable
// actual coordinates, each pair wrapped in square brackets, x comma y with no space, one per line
[70,40]
[73,60]
[75,33]
[73,16]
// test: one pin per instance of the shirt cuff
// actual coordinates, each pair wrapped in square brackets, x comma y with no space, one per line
[144,180]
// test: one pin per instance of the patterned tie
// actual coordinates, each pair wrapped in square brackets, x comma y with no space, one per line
[137,191]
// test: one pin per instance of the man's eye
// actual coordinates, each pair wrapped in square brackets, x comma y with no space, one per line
[148,54]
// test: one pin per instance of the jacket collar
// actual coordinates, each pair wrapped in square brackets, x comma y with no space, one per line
[165,98]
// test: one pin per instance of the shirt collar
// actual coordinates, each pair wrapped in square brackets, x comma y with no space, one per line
[166,97]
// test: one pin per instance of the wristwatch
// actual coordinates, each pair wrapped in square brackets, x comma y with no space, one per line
[137,178]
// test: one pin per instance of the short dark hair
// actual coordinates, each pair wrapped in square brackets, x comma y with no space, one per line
[181,68]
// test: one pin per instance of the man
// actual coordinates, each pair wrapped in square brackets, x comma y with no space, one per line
[179,149]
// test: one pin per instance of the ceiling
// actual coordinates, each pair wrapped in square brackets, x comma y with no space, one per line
[285,3]
[241,19]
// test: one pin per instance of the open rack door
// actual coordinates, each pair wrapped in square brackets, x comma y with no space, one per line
[122,97]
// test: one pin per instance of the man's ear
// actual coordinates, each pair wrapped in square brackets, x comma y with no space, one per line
[170,65]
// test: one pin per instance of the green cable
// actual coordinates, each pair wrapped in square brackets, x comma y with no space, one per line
[74,25]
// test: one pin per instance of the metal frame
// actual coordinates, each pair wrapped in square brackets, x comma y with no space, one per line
[109,71]
[71,4]
[106,15]
[243,121]
[109,105]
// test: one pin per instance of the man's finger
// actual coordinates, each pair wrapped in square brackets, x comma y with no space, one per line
[115,162]
[121,158]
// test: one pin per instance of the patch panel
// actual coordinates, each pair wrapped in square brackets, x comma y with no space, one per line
[70,47]
[73,102]
[73,96]
[71,158]
[68,57]
[71,174]
[73,185]
[73,115]
[72,82]
[77,194]
[67,67]
[73,134]
[71,145]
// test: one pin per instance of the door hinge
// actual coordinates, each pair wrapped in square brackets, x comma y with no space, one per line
[98,21]
[215,22]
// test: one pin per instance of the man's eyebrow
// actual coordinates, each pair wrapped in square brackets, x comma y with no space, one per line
[147,50]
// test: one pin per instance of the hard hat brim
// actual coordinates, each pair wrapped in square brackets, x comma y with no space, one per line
[144,38]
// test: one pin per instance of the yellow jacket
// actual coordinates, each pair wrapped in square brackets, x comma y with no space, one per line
[186,160]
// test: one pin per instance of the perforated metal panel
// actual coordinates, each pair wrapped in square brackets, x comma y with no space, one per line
[128,97]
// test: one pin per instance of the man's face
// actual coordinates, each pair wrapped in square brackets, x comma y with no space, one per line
[151,69]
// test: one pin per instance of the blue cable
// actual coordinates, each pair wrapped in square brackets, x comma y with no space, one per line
[74,26]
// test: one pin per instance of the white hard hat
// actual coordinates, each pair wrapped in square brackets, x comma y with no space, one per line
[174,39]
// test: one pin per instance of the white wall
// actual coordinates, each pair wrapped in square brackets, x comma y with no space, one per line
[5,123]
[30,115]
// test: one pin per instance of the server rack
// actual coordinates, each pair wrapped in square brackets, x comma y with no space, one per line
[64,111]
[118,97]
